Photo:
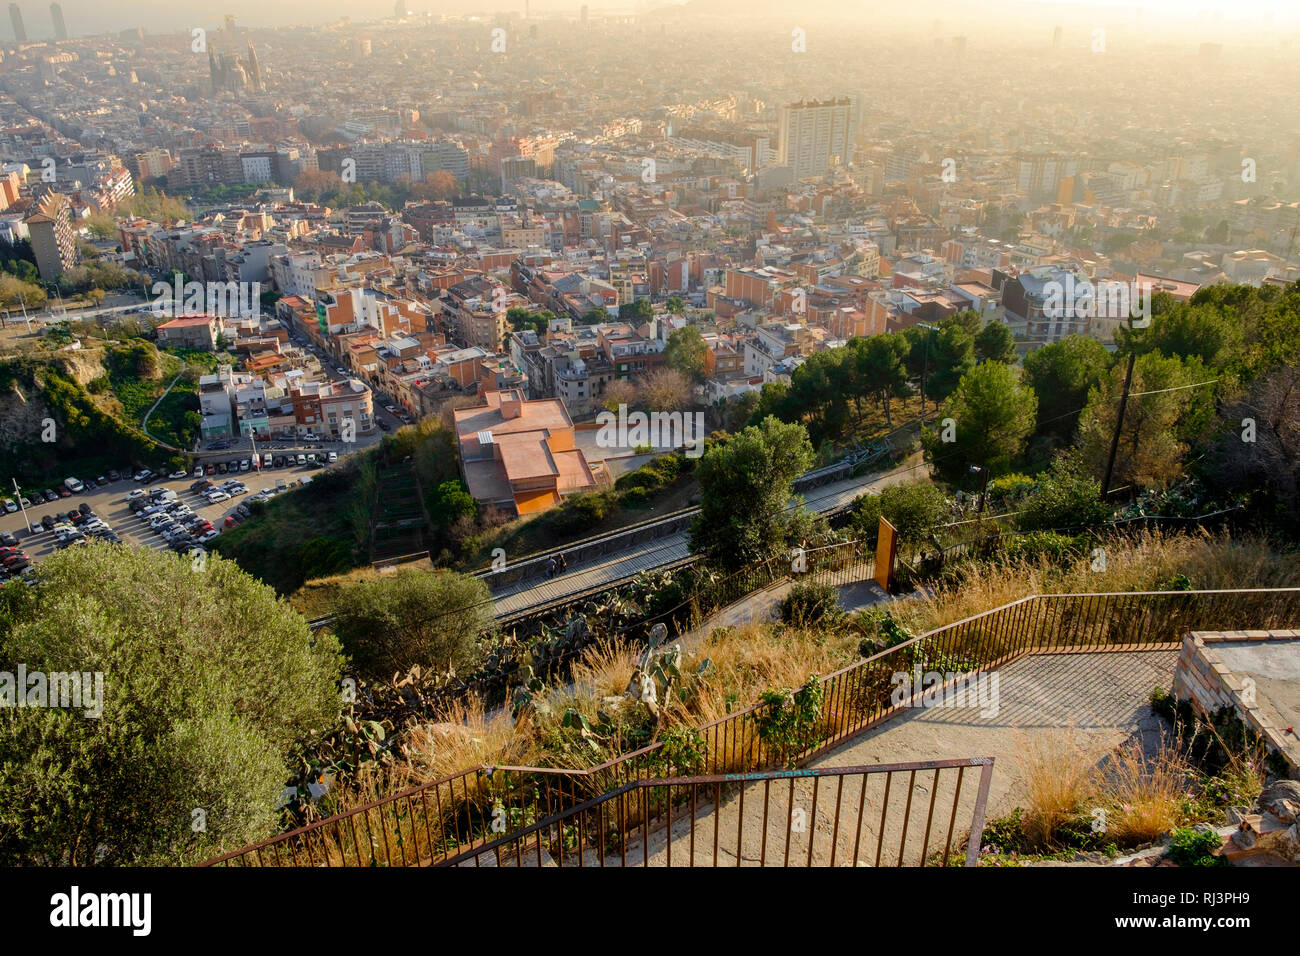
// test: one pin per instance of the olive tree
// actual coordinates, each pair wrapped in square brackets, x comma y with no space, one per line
[195,683]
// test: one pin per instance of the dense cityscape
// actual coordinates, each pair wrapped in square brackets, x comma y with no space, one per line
[583,421]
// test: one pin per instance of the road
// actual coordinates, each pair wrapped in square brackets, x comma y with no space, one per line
[652,554]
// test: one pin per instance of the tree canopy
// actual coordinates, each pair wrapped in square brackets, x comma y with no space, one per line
[207,681]
[412,617]
[984,423]
[746,484]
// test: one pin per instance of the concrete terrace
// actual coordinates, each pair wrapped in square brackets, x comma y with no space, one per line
[1092,701]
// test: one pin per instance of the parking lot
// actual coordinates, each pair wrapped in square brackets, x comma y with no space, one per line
[109,502]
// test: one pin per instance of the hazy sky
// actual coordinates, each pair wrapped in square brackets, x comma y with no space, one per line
[94,16]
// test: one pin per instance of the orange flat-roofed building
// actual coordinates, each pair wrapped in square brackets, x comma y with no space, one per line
[519,455]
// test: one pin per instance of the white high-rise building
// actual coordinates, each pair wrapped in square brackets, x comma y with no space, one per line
[816,136]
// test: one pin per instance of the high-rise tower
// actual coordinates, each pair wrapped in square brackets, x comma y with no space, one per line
[16,18]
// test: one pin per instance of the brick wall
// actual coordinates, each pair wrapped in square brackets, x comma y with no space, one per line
[1201,677]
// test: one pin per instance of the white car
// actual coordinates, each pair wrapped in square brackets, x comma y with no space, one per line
[198,471]
[334,456]
[208,536]
[216,496]
[135,493]
[177,475]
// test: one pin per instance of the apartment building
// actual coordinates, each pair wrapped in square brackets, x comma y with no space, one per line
[520,455]
[815,136]
[199,332]
[49,224]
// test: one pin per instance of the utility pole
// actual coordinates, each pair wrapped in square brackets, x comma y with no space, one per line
[18,496]
[1119,423]
[925,365]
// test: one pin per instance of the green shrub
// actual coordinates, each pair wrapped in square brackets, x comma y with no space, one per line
[810,603]
[1056,548]
[580,512]
[213,734]
[430,619]
[1006,490]
[912,508]
[1190,847]
[1064,498]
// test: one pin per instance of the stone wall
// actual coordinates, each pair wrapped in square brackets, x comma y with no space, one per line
[1202,677]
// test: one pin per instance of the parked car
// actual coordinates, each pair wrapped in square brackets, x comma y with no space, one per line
[8,538]
[178,474]
[333,456]
[73,485]
[267,460]
[383,426]
[198,471]
[232,519]
[221,467]
[10,506]
[245,465]
[142,476]
[84,508]
[216,496]
[209,469]
[101,480]
[47,523]
[136,493]
[302,459]
[24,502]
[52,495]
[279,463]
[209,535]
[114,474]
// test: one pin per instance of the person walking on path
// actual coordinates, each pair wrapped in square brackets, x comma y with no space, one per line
[550,567]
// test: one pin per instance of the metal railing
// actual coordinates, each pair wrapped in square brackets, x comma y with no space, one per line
[886,815]
[438,820]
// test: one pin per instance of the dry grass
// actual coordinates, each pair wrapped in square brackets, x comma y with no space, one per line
[1144,796]
[1059,780]
[604,670]
[1142,562]
[467,736]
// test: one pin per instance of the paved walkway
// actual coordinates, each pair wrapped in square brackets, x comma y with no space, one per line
[1089,701]
[761,606]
